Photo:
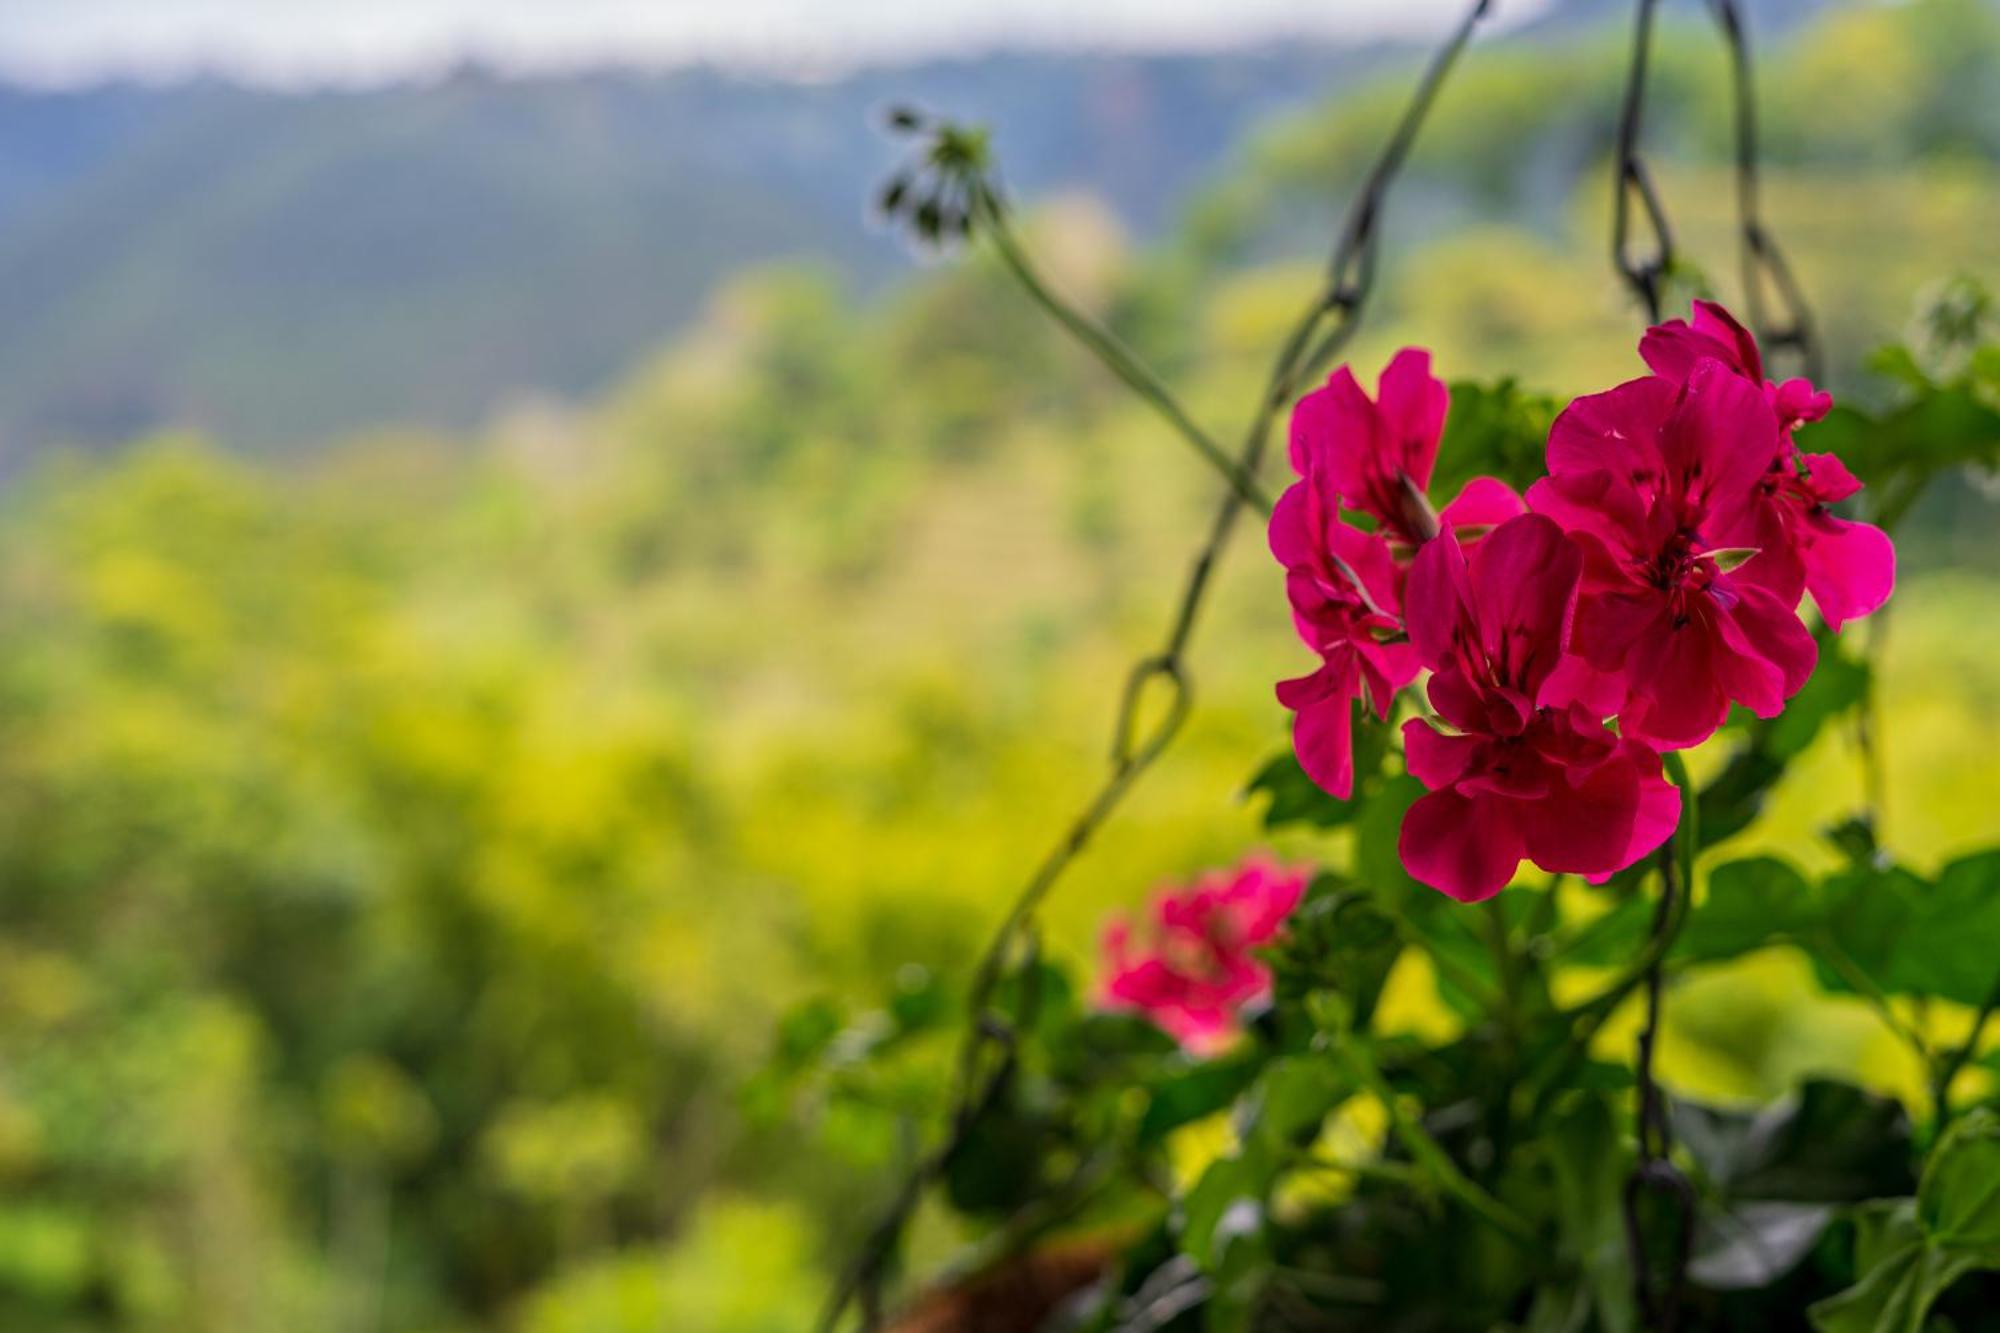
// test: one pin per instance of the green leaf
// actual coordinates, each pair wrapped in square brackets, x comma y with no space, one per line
[1377,863]
[1958,1202]
[1589,1163]
[1295,799]
[1895,1294]
[1750,904]
[1947,949]
[1494,430]
[1291,1099]
[997,1165]
[1338,939]
[1829,1143]
[1908,1253]
[1772,1178]
[1910,937]
[1197,1092]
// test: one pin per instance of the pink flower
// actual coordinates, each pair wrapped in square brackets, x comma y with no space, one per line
[1378,454]
[1521,776]
[1663,486]
[1191,969]
[1848,567]
[1375,456]
[1674,348]
[1342,588]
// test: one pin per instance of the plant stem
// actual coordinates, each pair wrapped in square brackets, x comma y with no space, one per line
[1353,1058]
[1947,1066]
[1851,972]
[1118,358]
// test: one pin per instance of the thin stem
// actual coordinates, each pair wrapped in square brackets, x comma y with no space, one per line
[1947,1067]
[1353,1058]
[1505,962]
[1117,357]
[1449,968]
[1851,972]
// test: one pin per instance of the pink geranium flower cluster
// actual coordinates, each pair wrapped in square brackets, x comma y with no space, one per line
[1191,967]
[1650,581]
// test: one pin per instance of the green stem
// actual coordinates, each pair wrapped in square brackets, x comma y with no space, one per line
[1352,1056]
[1948,1065]
[1505,962]
[1851,972]
[1121,360]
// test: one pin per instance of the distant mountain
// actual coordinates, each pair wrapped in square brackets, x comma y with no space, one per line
[277,267]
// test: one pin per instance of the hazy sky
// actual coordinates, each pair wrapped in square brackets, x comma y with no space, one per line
[65,41]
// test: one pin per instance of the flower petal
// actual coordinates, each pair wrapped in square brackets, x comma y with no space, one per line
[1850,568]
[1465,848]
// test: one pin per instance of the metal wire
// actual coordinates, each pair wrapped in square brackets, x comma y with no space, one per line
[1762,260]
[1654,1174]
[987,1056]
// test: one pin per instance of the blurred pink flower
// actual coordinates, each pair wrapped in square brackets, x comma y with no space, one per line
[1521,776]
[1190,968]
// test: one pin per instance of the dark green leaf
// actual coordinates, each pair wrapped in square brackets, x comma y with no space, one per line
[1197,1092]
[1948,948]
[1750,904]
[1295,798]
[997,1166]
[1958,1202]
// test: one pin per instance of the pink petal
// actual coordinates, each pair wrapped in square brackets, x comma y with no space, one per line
[1413,403]
[1290,532]
[1676,701]
[1484,503]
[1523,580]
[1742,670]
[1436,758]
[1609,626]
[1435,598]
[1576,681]
[1337,429]
[1828,479]
[1621,810]
[1717,444]
[1616,431]
[1323,739]
[1850,568]
[1797,400]
[1774,632]
[1465,848]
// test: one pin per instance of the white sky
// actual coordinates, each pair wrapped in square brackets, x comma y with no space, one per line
[313,41]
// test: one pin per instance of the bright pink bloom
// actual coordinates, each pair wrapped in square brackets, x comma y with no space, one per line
[1378,453]
[1663,486]
[1193,969]
[1342,587]
[1344,584]
[1522,776]
[1848,567]
[1674,348]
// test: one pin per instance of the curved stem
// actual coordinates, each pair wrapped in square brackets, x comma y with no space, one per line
[1352,1056]
[1118,358]
[1947,1066]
